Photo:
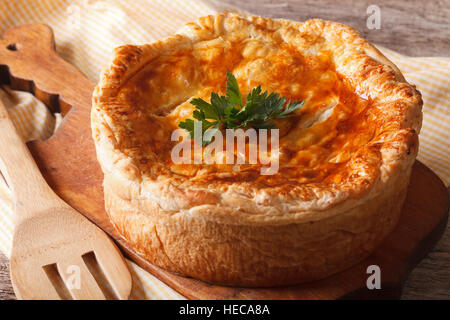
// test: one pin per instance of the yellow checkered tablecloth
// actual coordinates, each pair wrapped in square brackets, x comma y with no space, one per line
[86,33]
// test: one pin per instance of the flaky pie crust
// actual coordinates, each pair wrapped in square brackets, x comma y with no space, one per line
[333,201]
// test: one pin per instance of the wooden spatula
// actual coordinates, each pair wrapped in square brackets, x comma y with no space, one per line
[57,253]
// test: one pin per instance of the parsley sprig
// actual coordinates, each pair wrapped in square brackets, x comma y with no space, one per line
[229,112]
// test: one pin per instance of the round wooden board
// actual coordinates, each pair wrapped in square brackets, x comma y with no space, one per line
[68,162]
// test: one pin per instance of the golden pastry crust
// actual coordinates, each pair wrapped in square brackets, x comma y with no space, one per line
[344,165]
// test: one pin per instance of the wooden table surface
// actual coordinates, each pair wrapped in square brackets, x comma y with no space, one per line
[411,27]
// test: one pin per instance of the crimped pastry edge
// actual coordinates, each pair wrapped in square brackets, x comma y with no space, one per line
[399,149]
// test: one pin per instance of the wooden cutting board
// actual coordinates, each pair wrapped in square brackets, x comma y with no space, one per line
[28,62]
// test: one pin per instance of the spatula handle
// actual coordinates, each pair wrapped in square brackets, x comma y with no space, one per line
[29,62]
[29,53]
[19,169]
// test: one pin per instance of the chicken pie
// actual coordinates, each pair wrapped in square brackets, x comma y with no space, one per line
[344,158]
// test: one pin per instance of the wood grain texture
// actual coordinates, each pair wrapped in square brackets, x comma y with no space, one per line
[396,257]
[410,27]
[6,290]
[431,278]
[47,231]
[299,8]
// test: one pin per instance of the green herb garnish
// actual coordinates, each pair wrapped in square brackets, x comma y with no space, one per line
[228,112]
